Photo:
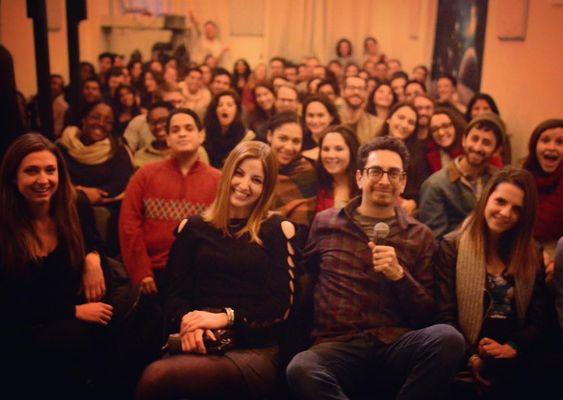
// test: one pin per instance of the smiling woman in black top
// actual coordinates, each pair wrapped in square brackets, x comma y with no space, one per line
[51,281]
[230,268]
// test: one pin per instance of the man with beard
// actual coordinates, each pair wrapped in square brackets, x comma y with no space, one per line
[354,93]
[449,195]
[425,108]
[90,93]
[373,299]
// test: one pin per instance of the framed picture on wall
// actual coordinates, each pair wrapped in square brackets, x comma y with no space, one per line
[459,43]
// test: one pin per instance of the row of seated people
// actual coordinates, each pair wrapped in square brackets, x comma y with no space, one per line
[433,134]
[398,307]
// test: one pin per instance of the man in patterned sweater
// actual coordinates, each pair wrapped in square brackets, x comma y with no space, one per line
[159,196]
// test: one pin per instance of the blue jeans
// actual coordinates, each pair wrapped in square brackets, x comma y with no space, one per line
[424,362]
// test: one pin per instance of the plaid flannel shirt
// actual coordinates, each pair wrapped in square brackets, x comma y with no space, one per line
[350,297]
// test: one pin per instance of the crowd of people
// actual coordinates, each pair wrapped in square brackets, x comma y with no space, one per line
[237,210]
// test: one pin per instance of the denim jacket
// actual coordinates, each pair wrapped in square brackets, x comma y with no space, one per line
[446,198]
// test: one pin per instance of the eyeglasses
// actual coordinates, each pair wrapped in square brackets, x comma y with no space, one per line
[446,125]
[353,88]
[395,175]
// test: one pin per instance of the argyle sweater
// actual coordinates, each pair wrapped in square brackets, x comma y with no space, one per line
[157,198]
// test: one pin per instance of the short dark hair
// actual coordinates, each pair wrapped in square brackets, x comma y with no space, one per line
[192,69]
[187,111]
[107,54]
[383,143]
[399,74]
[422,67]
[221,71]
[449,77]
[88,80]
[345,80]
[481,96]
[413,82]
[160,104]
[285,117]
[290,65]
[281,59]
[332,83]
[115,71]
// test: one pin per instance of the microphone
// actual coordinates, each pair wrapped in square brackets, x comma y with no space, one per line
[380,231]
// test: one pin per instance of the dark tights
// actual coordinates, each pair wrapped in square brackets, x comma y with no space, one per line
[193,377]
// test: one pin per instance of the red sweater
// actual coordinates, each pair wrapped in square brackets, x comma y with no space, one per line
[157,198]
[549,218]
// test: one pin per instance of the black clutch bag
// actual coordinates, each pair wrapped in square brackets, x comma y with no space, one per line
[225,341]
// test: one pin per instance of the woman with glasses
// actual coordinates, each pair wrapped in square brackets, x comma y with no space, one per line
[446,129]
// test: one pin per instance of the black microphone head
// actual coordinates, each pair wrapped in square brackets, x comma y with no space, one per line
[381,230]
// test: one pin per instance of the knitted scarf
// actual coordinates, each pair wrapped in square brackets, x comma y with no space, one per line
[470,283]
[296,191]
[96,153]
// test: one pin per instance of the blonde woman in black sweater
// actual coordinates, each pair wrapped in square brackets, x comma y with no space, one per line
[231,268]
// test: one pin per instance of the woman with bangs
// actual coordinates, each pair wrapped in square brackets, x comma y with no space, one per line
[336,168]
[490,285]
[446,130]
[544,161]
[224,128]
[231,268]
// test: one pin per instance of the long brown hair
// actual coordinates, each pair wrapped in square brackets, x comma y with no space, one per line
[17,235]
[516,246]
[218,213]
[326,181]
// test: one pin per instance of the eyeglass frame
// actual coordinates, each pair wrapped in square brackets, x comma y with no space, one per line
[442,126]
[397,179]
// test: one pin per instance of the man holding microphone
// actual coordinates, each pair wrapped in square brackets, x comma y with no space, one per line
[373,299]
